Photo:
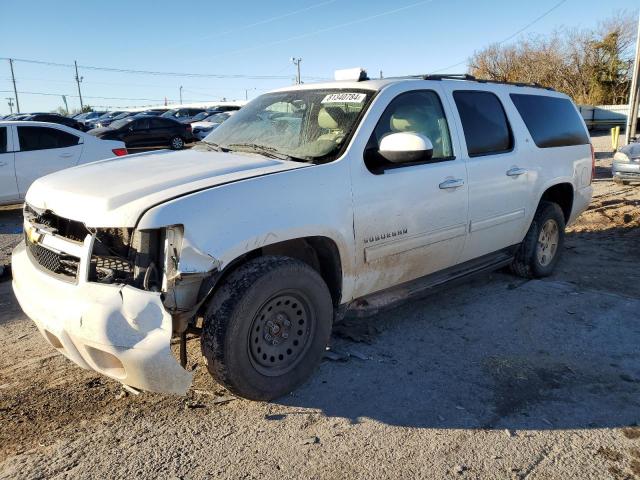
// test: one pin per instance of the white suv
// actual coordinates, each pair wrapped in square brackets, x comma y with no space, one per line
[311,200]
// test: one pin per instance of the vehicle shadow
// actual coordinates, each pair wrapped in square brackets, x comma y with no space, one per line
[497,352]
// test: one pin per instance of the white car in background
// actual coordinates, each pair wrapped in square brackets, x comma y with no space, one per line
[205,127]
[29,150]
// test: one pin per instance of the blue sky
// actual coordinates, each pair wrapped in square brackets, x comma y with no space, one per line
[242,37]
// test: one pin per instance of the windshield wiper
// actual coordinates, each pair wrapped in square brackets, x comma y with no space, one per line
[263,150]
[211,146]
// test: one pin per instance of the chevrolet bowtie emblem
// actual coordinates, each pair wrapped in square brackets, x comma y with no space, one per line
[33,235]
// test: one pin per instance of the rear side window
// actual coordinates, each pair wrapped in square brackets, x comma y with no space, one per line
[3,140]
[551,121]
[42,138]
[157,122]
[485,125]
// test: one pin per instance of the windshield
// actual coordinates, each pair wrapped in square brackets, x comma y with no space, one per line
[170,113]
[201,116]
[311,125]
[217,117]
[121,123]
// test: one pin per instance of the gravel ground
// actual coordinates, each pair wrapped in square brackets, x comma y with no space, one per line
[494,378]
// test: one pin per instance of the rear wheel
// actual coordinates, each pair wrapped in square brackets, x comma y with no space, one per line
[266,327]
[176,143]
[540,250]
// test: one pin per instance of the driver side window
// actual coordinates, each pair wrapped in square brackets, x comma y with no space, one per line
[417,112]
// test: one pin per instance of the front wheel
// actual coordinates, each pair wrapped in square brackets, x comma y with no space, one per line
[267,327]
[540,250]
[176,143]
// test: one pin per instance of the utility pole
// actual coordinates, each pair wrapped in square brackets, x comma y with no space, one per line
[15,90]
[381,74]
[296,62]
[180,94]
[66,107]
[632,117]
[10,103]
[78,80]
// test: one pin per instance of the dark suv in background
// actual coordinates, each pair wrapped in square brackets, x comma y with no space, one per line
[147,132]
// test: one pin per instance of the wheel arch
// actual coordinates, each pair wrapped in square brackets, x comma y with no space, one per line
[561,193]
[319,252]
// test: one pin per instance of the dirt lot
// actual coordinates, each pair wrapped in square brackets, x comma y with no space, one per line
[496,378]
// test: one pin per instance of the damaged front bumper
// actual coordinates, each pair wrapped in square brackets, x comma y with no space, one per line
[117,330]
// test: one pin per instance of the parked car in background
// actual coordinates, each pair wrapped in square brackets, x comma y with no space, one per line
[95,122]
[152,113]
[29,150]
[209,124]
[626,164]
[18,116]
[182,114]
[147,132]
[91,116]
[108,121]
[55,118]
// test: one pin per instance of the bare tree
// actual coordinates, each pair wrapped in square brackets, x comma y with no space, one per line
[592,66]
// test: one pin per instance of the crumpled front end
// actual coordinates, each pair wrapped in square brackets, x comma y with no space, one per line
[110,299]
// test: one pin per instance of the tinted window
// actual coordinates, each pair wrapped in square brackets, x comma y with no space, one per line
[41,138]
[485,125]
[141,124]
[3,140]
[551,121]
[419,112]
[158,123]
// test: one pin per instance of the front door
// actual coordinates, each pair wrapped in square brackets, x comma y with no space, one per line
[8,184]
[43,150]
[410,219]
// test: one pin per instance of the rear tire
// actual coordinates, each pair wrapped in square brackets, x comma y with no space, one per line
[540,250]
[176,143]
[267,326]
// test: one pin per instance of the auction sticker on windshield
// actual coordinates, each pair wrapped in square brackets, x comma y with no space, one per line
[344,97]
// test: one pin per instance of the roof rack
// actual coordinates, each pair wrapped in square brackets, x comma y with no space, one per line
[466,76]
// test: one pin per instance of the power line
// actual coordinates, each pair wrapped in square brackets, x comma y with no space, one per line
[148,72]
[95,97]
[327,29]
[513,35]
[261,22]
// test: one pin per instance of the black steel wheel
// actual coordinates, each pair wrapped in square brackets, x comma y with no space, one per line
[279,334]
[266,327]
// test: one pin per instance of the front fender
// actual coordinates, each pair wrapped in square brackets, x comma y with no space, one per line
[225,222]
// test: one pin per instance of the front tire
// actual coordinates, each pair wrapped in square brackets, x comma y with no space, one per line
[267,326]
[540,250]
[176,143]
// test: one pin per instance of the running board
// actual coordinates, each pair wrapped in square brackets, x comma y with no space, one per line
[391,297]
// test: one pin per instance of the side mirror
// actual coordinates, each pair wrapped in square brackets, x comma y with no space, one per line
[404,147]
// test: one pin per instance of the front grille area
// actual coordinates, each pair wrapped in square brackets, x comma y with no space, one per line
[110,269]
[65,266]
[63,227]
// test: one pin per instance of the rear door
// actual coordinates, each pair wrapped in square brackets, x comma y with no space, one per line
[43,150]
[161,129]
[8,184]
[497,164]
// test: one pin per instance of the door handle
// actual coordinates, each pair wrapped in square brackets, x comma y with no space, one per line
[66,155]
[3,164]
[516,172]
[451,183]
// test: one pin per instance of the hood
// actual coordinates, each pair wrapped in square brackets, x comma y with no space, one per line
[117,191]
